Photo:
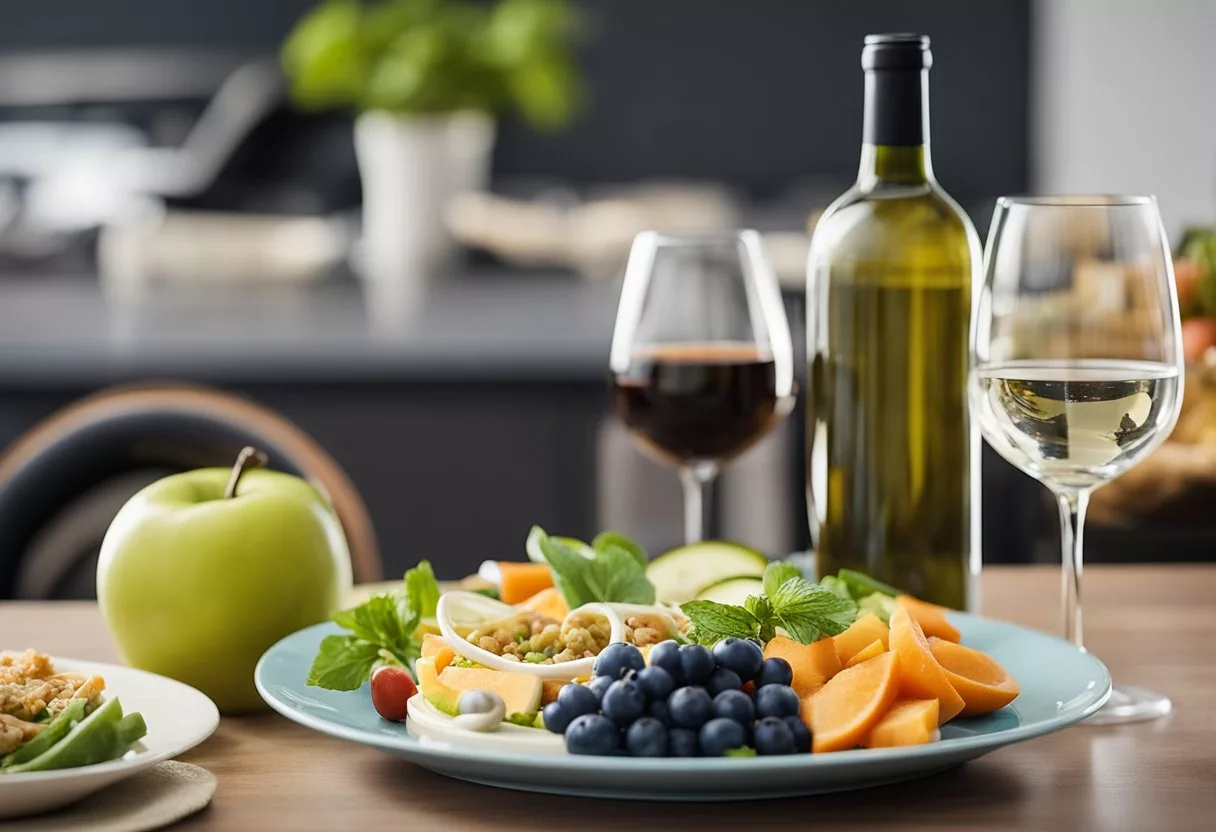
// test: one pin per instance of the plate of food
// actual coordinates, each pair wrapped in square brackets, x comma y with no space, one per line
[707,673]
[69,728]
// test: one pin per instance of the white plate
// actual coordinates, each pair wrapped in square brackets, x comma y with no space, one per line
[178,717]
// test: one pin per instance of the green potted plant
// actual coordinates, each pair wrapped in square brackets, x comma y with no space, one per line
[427,79]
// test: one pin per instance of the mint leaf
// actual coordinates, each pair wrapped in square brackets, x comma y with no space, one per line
[422,590]
[808,612]
[759,606]
[569,569]
[604,540]
[860,585]
[384,620]
[343,663]
[713,622]
[777,573]
[615,576]
[837,587]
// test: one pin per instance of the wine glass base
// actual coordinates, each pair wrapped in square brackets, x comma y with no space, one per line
[1130,703]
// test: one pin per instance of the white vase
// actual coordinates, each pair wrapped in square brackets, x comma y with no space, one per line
[411,167]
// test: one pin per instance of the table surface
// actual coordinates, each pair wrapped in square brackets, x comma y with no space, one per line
[1151,625]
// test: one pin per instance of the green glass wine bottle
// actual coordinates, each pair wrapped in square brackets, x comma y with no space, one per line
[892,462]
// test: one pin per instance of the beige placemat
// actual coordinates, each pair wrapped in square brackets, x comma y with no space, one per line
[152,799]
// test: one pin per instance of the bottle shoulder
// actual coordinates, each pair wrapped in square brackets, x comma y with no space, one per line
[888,223]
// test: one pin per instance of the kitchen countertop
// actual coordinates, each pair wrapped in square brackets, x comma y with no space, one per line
[1152,625]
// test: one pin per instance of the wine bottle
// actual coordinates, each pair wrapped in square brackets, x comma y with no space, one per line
[892,465]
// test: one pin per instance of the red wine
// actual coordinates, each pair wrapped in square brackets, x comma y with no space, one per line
[699,402]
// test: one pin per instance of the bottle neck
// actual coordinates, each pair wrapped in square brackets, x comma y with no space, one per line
[895,130]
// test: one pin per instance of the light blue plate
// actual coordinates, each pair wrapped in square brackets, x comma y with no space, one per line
[1061,685]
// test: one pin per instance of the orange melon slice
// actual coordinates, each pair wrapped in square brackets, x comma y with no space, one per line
[813,664]
[437,648]
[931,618]
[548,602]
[866,653]
[520,581]
[983,684]
[920,676]
[909,722]
[847,708]
[865,630]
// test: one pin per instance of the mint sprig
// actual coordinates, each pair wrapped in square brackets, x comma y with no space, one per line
[381,630]
[615,572]
[802,608]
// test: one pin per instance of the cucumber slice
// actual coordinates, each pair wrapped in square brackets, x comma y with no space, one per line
[681,574]
[732,590]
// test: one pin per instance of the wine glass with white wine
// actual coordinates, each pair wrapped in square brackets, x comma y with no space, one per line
[1077,362]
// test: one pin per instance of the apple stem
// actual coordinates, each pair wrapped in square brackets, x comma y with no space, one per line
[248,459]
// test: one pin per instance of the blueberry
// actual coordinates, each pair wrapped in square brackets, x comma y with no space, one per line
[557,718]
[776,700]
[656,681]
[690,707]
[802,734]
[646,738]
[740,655]
[697,664]
[682,743]
[616,658]
[598,685]
[658,710]
[775,671]
[723,680]
[593,734]
[666,654]
[720,735]
[624,702]
[736,705]
[773,736]
[577,700]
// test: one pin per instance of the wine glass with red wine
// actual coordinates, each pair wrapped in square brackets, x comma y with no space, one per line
[702,364]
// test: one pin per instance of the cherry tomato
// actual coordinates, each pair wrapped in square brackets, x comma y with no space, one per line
[392,688]
[1198,334]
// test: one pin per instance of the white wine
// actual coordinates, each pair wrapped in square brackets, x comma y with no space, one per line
[891,457]
[1074,423]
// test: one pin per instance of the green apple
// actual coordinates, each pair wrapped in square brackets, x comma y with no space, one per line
[196,585]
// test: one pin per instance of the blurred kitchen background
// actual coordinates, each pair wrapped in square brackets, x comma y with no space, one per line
[174,210]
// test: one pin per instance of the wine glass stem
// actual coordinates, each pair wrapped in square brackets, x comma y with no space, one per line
[1072,529]
[695,479]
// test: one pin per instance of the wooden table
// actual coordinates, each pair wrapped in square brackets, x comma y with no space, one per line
[1152,625]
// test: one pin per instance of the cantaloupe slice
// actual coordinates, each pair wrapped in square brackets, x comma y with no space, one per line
[983,684]
[866,653]
[931,618]
[861,634]
[521,692]
[437,648]
[813,664]
[847,708]
[520,581]
[549,689]
[920,676]
[909,722]
[548,602]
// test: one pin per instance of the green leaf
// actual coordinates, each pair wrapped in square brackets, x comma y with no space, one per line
[777,573]
[860,585]
[615,576]
[759,606]
[422,590]
[385,620]
[609,538]
[836,586]
[343,663]
[808,612]
[713,622]
[569,569]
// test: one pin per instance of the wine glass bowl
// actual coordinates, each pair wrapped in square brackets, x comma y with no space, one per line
[701,361]
[1077,361]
